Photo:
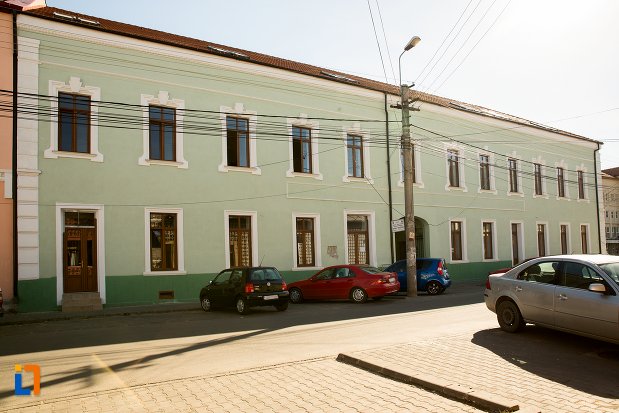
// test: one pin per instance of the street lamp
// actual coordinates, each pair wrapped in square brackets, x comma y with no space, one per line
[409,208]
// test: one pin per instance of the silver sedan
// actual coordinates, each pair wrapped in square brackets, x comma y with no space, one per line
[574,293]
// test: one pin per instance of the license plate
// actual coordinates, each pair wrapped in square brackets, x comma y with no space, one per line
[271,297]
[391,280]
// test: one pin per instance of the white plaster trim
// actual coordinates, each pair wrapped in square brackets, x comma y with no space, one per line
[546,237]
[520,240]
[252,117]
[100,217]
[585,180]
[491,172]
[163,99]
[317,244]
[518,159]
[465,253]
[418,179]
[495,252]
[371,234]
[303,122]
[566,186]
[74,86]
[356,130]
[179,238]
[569,237]
[588,236]
[461,160]
[542,163]
[254,234]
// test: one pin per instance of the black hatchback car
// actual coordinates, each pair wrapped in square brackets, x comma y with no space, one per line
[244,288]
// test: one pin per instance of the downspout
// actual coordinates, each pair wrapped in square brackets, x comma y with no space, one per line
[389,177]
[14,160]
[597,197]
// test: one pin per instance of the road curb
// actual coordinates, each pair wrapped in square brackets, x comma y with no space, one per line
[483,400]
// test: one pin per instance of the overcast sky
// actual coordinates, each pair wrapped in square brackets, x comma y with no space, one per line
[551,61]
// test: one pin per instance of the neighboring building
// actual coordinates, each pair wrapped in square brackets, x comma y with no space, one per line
[153,161]
[610,185]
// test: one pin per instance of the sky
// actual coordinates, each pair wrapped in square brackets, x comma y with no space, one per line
[550,61]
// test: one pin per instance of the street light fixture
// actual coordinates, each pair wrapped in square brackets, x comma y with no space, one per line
[409,208]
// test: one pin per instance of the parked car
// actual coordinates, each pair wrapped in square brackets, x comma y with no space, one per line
[432,275]
[504,270]
[574,293]
[354,282]
[244,288]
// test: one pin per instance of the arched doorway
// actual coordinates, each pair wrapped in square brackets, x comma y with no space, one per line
[422,241]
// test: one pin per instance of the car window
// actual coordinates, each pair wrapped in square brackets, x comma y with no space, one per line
[326,274]
[577,275]
[371,270]
[400,266]
[424,265]
[235,276]
[223,277]
[612,269]
[540,272]
[271,274]
[344,273]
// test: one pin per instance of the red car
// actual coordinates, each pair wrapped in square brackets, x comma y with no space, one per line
[342,282]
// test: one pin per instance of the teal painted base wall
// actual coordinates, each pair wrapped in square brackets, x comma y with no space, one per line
[474,271]
[37,295]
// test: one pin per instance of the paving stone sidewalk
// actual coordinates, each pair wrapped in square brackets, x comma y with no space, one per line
[321,385]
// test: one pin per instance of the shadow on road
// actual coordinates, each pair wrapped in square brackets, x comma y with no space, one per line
[583,364]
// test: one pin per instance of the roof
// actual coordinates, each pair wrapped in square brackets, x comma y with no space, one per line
[124,29]
[614,172]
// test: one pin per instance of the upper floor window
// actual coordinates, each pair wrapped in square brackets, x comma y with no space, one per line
[162,133]
[237,130]
[414,163]
[453,160]
[484,172]
[354,151]
[512,165]
[73,123]
[302,149]
[538,179]
[581,185]
[560,182]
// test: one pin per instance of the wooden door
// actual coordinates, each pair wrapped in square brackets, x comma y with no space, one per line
[80,260]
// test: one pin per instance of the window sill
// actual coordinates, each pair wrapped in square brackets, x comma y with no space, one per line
[519,194]
[306,268]
[53,154]
[585,200]
[540,196]
[487,191]
[368,180]
[488,260]
[254,170]
[459,261]
[178,164]
[563,198]
[151,273]
[419,185]
[291,174]
[456,188]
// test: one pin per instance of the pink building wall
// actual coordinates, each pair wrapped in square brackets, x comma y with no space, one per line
[6,138]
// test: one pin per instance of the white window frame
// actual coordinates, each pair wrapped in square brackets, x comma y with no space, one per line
[74,86]
[98,210]
[546,237]
[356,130]
[371,233]
[465,253]
[521,245]
[585,188]
[303,122]
[239,111]
[180,247]
[491,173]
[569,237]
[588,229]
[254,234]
[518,160]
[163,99]
[317,246]
[461,168]
[417,156]
[566,179]
[495,254]
[543,166]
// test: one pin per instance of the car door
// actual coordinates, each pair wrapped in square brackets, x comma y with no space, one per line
[318,286]
[341,283]
[578,309]
[216,290]
[534,290]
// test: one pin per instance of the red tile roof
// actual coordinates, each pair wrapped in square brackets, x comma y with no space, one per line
[157,36]
[612,171]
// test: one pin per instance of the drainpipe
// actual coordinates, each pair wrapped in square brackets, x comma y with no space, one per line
[14,160]
[597,197]
[389,177]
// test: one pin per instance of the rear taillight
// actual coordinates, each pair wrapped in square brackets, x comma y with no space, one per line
[488,284]
[249,288]
[439,270]
[284,286]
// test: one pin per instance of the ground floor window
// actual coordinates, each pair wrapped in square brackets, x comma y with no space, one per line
[541,240]
[239,227]
[163,242]
[584,239]
[358,239]
[456,241]
[564,239]
[305,242]
[488,234]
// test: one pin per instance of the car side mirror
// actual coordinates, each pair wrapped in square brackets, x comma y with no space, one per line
[597,288]
[210,282]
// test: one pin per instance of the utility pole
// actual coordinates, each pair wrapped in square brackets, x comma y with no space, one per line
[409,207]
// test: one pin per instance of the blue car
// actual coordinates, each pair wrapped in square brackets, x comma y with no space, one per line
[432,275]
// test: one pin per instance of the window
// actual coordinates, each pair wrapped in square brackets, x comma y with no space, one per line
[73,123]
[456,241]
[162,133]
[538,179]
[560,182]
[564,239]
[305,242]
[414,162]
[302,150]
[512,165]
[453,162]
[584,239]
[581,185]
[163,242]
[358,239]
[240,236]
[237,130]
[354,150]
[484,172]
[541,240]
[576,275]
[488,240]
[517,240]
[543,272]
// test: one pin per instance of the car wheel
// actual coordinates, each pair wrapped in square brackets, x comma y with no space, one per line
[509,317]
[434,288]
[282,307]
[296,296]
[358,295]
[205,303]
[241,306]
